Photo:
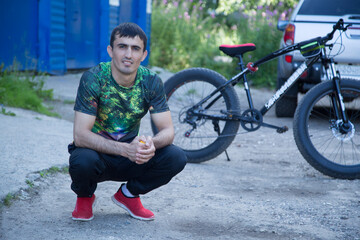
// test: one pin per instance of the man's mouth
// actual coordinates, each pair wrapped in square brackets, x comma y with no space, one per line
[127,62]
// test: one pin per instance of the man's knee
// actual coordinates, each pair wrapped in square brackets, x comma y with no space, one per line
[83,160]
[176,157]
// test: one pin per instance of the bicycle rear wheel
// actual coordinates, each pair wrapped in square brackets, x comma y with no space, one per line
[322,138]
[196,135]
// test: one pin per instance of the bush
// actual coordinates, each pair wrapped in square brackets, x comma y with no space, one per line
[259,28]
[182,36]
[185,35]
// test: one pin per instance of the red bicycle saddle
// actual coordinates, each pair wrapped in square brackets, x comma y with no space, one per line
[233,50]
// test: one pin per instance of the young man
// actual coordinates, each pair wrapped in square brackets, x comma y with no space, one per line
[111,100]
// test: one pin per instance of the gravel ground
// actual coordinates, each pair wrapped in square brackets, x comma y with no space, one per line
[266,191]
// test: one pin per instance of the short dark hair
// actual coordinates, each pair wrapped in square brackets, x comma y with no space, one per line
[128,29]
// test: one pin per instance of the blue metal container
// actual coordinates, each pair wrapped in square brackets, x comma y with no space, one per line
[56,35]
[19,39]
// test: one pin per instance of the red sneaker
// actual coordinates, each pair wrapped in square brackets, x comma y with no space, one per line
[133,206]
[83,209]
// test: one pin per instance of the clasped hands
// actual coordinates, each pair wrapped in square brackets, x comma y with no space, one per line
[141,149]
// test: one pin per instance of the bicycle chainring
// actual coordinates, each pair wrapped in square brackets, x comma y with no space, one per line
[251,120]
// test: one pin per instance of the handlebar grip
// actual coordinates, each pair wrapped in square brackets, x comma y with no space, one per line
[339,24]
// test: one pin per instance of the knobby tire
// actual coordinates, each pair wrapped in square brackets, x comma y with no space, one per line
[325,147]
[184,90]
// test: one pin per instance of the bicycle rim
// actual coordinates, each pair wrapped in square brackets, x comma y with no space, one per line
[331,150]
[184,97]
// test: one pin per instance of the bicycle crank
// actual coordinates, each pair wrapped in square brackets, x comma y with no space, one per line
[252,120]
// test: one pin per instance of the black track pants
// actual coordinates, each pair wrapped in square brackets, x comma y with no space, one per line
[88,167]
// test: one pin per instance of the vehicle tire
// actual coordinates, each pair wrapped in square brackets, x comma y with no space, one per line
[187,88]
[319,136]
[286,106]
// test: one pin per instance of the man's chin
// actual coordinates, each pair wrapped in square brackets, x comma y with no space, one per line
[127,71]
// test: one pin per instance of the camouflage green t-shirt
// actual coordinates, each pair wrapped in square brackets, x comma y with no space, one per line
[118,109]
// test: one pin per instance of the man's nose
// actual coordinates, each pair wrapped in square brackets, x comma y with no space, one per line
[128,52]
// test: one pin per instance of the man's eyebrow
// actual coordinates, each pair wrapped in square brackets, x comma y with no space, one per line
[125,44]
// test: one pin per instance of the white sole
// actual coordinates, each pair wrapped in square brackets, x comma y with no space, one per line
[83,219]
[128,210]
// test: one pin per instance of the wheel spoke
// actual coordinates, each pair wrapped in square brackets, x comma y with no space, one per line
[326,136]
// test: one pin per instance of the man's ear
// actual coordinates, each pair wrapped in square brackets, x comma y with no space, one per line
[109,50]
[144,55]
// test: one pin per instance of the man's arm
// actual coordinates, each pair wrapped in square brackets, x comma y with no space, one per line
[163,123]
[84,137]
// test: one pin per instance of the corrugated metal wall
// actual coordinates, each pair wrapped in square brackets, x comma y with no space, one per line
[113,17]
[56,35]
[57,55]
[19,38]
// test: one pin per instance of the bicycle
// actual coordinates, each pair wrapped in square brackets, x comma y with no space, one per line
[206,110]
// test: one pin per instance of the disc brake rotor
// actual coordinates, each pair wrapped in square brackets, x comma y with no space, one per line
[342,136]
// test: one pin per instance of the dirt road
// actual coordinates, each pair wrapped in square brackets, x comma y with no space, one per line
[266,191]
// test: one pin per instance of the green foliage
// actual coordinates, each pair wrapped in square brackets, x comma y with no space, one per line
[260,30]
[29,183]
[188,34]
[180,37]
[53,170]
[71,102]
[7,113]
[8,199]
[230,6]
[24,90]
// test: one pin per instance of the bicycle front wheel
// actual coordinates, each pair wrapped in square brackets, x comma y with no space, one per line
[325,141]
[197,135]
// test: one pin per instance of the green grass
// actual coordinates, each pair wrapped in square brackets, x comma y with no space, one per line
[10,197]
[29,183]
[6,112]
[24,90]
[53,170]
[71,102]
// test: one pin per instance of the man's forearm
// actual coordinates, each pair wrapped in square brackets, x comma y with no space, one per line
[100,144]
[163,138]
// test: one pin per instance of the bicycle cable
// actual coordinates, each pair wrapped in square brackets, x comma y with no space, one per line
[341,48]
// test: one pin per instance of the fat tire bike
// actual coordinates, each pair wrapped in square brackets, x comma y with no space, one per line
[206,109]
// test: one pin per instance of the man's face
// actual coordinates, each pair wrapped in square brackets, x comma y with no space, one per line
[127,54]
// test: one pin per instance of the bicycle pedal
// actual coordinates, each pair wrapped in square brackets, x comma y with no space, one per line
[282,129]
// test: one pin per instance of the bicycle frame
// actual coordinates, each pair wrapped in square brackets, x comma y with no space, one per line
[289,82]
[242,75]
[279,93]
[256,116]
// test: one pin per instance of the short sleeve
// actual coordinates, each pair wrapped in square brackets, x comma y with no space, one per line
[87,98]
[158,101]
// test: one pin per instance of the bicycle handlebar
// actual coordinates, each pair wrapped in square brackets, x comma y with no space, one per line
[338,26]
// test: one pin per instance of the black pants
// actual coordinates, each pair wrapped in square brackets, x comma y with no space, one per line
[88,167]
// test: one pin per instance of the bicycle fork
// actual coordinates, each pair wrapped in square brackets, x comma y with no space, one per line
[342,124]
